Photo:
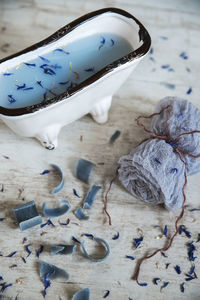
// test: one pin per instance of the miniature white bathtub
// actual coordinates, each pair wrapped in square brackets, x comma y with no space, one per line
[73,72]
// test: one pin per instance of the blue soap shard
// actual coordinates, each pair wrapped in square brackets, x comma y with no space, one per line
[53,271]
[57,211]
[27,215]
[82,295]
[61,184]
[98,240]
[89,199]
[62,249]
[83,169]
[79,213]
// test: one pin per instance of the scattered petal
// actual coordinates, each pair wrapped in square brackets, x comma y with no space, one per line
[39,251]
[79,213]
[168,85]
[11,254]
[137,241]
[182,287]
[189,91]
[45,172]
[76,194]
[64,224]
[177,269]
[28,250]
[61,184]
[165,284]
[56,212]
[49,223]
[106,294]
[89,199]
[191,249]
[83,170]
[75,240]
[194,209]
[82,295]
[130,257]
[198,238]
[155,280]
[101,241]
[142,283]
[165,231]
[116,236]
[115,135]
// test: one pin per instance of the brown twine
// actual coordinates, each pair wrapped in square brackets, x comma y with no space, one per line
[180,154]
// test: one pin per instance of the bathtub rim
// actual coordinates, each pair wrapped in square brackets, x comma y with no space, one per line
[138,53]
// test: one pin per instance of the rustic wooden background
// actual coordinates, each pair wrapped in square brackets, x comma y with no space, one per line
[24,22]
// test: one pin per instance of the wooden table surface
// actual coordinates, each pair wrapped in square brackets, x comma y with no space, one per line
[24,22]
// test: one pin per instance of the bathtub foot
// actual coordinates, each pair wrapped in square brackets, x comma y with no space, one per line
[100,110]
[48,137]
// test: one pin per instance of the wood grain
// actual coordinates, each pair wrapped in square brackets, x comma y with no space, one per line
[26,22]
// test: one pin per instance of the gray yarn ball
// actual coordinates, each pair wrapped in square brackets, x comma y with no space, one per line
[153,172]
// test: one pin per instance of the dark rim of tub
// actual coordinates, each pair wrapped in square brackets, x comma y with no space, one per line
[142,50]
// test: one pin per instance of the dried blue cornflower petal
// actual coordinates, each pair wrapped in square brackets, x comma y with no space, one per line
[45,172]
[107,293]
[142,283]
[28,250]
[56,212]
[13,266]
[88,235]
[47,283]
[130,257]
[183,55]
[192,269]
[83,169]
[64,224]
[165,231]
[53,271]
[39,251]
[165,66]
[163,254]
[155,280]
[79,213]
[189,91]
[182,228]
[116,236]
[115,135]
[194,209]
[191,249]
[137,241]
[23,259]
[75,240]
[27,215]
[165,284]
[4,286]
[76,194]
[82,295]
[49,223]
[91,195]
[62,249]
[101,241]
[198,238]
[61,184]
[2,188]
[190,277]
[11,254]
[182,287]
[1,278]
[177,269]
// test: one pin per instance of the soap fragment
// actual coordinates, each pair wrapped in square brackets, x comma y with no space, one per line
[83,169]
[89,199]
[53,271]
[56,212]
[59,187]
[62,249]
[79,213]
[27,215]
[98,240]
[82,295]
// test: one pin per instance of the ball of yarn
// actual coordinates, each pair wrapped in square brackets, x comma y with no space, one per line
[153,172]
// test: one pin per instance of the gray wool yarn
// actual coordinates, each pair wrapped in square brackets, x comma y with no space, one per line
[153,172]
